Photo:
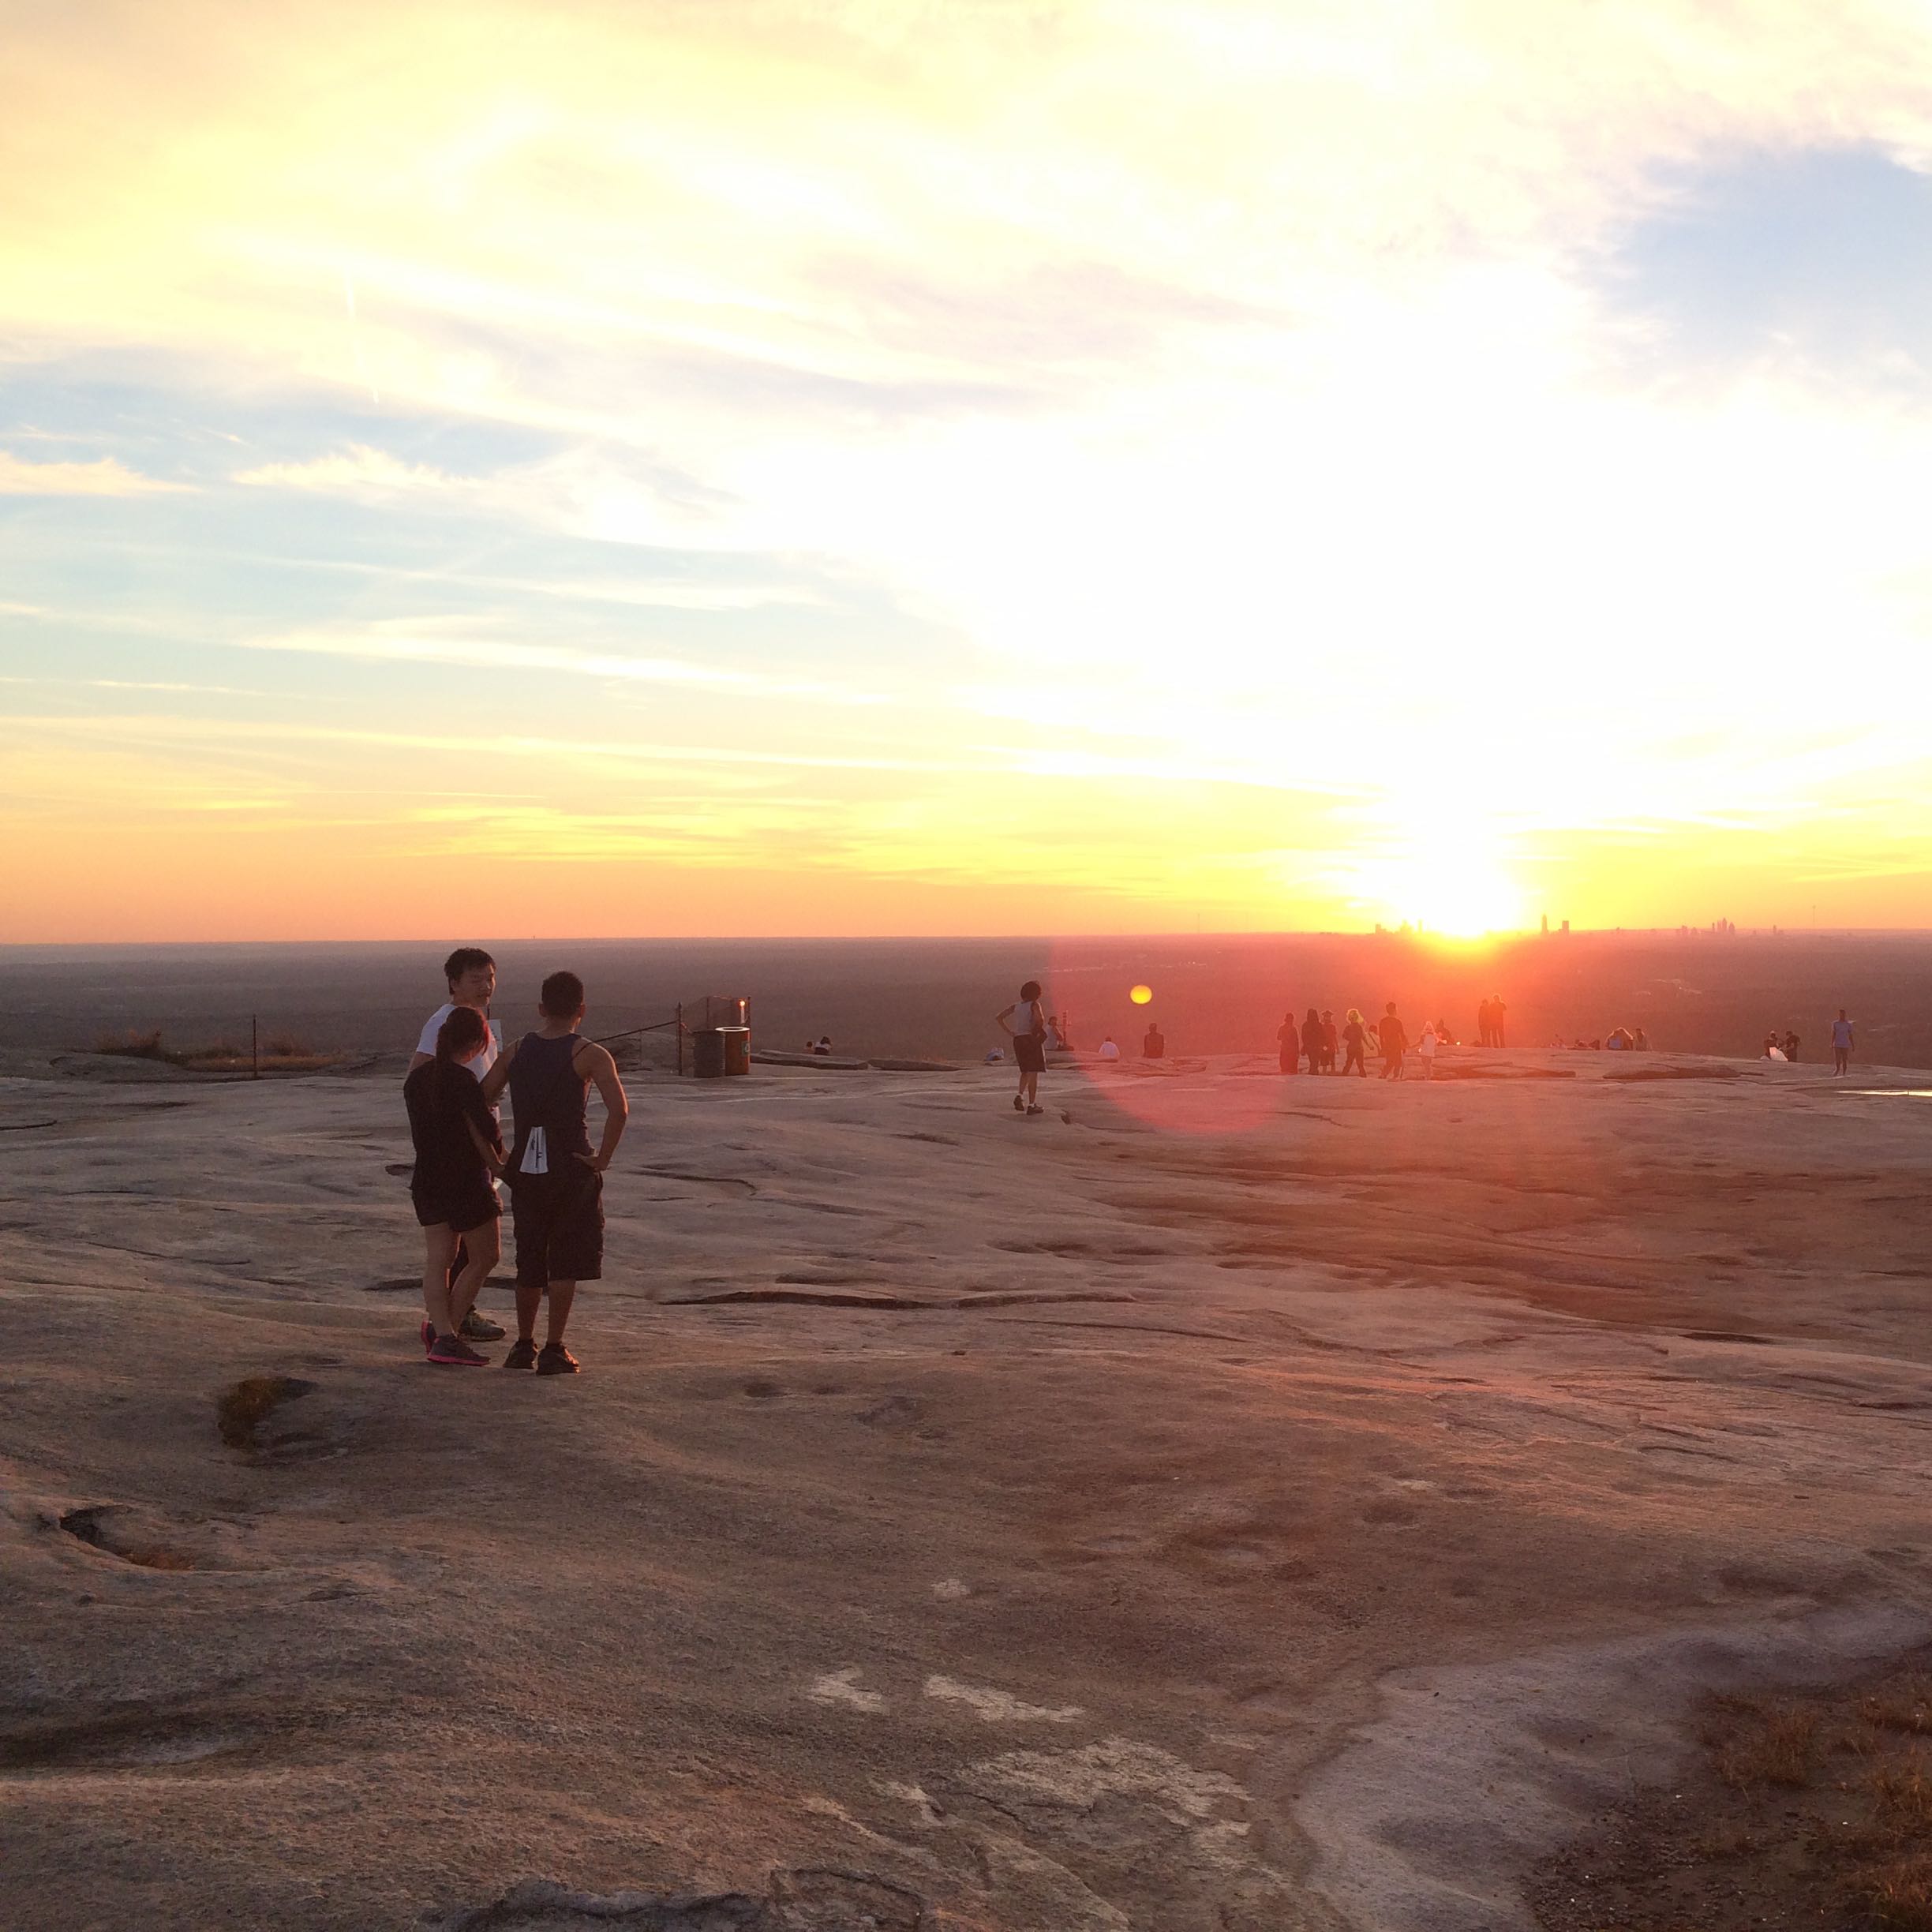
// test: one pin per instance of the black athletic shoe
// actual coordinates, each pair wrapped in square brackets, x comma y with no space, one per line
[522,1355]
[480,1328]
[554,1358]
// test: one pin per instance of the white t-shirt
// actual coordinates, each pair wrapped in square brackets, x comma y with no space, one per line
[484,1061]
[1109,1050]
[1026,1017]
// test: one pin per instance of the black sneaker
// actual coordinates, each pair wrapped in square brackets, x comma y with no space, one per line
[454,1352]
[554,1358]
[522,1355]
[480,1328]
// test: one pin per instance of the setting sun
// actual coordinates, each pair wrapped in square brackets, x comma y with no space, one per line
[1451,879]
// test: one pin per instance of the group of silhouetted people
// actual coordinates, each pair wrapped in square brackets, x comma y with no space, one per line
[1318,1040]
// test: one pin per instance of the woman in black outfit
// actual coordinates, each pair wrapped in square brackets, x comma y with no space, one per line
[1311,1043]
[457,1149]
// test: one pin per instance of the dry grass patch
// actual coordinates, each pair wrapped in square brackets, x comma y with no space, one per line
[1900,1898]
[1779,1748]
[1808,1811]
[245,1406]
[1908,1707]
[281,1053]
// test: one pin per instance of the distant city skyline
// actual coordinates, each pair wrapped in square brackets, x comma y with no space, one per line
[802,469]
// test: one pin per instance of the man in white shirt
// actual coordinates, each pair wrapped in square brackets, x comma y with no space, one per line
[1108,1050]
[470,974]
[1841,1043]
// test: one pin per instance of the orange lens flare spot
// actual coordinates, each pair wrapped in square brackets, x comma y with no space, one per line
[1141,995]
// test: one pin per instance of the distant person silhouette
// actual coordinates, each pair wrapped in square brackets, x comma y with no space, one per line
[1312,1041]
[1791,1046]
[1154,1045]
[1355,1043]
[1497,1010]
[1841,1043]
[1289,1035]
[1331,1039]
[1395,1041]
[1485,1023]
[1109,1049]
[1426,1047]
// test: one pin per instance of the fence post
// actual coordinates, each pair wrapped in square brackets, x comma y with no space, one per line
[680,1039]
[254,1048]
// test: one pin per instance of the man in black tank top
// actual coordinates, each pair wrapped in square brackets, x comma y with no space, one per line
[556,1184]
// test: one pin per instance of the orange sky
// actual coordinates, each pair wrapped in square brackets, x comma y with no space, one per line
[788,468]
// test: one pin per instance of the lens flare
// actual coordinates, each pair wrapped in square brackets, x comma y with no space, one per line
[1141,995]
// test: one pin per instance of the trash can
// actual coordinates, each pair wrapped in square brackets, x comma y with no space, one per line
[718,1050]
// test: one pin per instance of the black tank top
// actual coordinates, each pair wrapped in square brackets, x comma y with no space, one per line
[547,1092]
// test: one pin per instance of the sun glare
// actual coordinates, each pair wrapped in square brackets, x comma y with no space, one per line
[1450,880]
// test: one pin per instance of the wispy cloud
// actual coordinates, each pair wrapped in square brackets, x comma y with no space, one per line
[1197,409]
[105,477]
[360,471]
[449,640]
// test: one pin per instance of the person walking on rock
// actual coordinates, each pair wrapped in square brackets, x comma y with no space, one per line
[1289,1034]
[1841,1043]
[1355,1044]
[1426,1047]
[1026,1025]
[1395,1041]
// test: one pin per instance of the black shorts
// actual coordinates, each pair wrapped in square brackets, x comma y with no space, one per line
[1029,1052]
[466,1208]
[559,1226]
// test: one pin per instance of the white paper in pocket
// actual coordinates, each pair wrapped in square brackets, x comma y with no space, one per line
[536,1154]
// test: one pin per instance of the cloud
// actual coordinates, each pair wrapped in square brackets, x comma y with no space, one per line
[106,477]
[450,641]
[361,472]
[1217,389]
[583,492]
